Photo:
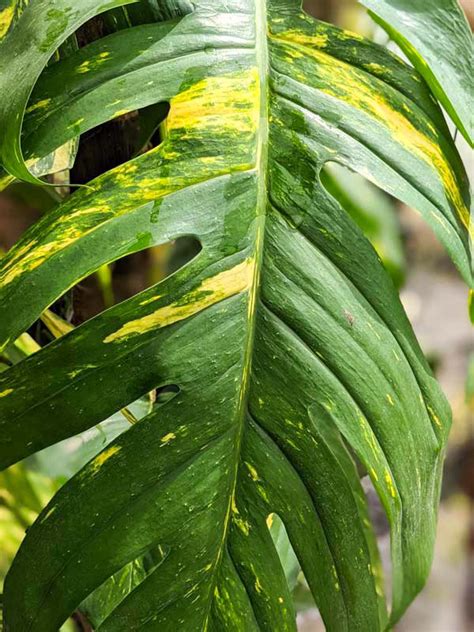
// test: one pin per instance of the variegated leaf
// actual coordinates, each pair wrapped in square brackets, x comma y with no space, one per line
[284,335]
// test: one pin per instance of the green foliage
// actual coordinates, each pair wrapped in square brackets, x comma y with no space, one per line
[285,340]
[424,31]
[23,494]
[373,212]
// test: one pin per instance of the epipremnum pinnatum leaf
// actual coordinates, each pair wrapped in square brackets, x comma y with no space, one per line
[436,37]
[285,335]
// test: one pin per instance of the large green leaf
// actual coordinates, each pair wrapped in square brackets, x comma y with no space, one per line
[436,37]
[285,335]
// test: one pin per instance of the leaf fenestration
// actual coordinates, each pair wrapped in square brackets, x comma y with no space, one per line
[285,335]
[436,37]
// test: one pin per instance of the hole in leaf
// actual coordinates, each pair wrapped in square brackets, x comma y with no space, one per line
[112,284]
[301,593]
[63,460]
[117,141]
[165,393]
[381,527]
[125,17]
[132,15]
[130,275]
[346,14]
[285,551]
[318,9]
[101,603]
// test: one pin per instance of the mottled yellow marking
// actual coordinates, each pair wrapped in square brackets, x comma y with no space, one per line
[33,257]
[348,35]
[370,438]
[76,372]
[258,585]
[6,392]
[211,160]
[6,18]
[121,112]
[91,64]
[84,67]
[39,105]
[253,472]
[104,456]
[318,40]
[376,69]
[270,519]
[281,600]
[151,300]
[225,103]
[123,174]
[374,474]
[76,122]
[127,168]
[30,256]
[389,482]
[242,524]
[263,493]
[346,83]
[167,438]
[434,417]
[211,291]
[228,102]
[390,400]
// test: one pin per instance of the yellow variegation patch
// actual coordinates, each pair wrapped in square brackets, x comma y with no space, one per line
[211,291]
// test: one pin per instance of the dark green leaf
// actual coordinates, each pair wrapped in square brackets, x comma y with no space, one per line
[284,336]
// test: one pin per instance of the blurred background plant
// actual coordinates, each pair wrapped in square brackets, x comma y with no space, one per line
[433,295]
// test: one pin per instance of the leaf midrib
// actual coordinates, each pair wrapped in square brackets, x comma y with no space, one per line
[263,64]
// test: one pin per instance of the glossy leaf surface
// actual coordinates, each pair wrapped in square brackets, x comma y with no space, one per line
[435,35]
[285,335]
